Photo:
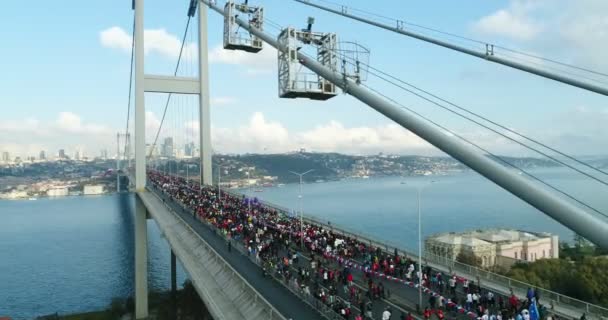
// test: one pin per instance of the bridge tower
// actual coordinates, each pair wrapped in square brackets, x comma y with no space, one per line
[165,84]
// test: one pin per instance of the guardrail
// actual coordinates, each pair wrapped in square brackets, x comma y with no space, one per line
[310,300]
[322,308]
[272,312]
[573,304]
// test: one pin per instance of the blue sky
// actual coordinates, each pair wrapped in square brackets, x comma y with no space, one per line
[64,85]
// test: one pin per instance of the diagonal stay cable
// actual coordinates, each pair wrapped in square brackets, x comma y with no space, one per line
[485,119]
[583,163]
[498,132]
[461,37]
[179,59]
[494,156]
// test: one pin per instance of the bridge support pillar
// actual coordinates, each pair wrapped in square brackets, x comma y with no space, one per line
[141,261]
[173,285]
[204,108]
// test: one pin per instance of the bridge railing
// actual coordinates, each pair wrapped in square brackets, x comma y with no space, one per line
[475,273]
[499,282]
[326,311]
[309,299]
[272,312]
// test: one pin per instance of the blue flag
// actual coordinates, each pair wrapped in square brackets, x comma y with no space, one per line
[534,310]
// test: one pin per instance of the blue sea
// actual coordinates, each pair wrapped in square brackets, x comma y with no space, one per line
[75,254]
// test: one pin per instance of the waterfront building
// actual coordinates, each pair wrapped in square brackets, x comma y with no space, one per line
[57,192]
[495,247]
[93,189]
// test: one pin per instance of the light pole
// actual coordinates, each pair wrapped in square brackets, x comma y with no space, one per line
[301,209]
[219,183]
[419,189]
[248,192]
[219,188]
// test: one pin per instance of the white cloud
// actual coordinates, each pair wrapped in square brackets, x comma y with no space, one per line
[514,22]
[262,135]
[27,137]
[333,136]
[259,135]
[161,42]
[262,62]
[572,31]
[580,130]
[115,38]
[585,30]
[71,123]
[155,41]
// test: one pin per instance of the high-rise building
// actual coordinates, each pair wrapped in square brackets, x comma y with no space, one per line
[77,155]
[42,155]
[104,154]
[189,149]
[168,147]
[62,154]
[6,157]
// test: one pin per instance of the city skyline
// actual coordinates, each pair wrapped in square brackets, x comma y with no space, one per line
[253,119]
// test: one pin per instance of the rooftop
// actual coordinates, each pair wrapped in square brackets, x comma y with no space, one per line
[488,236]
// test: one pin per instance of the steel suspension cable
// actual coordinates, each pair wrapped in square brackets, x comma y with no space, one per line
[485,119]
[554,205]
[130,87]
[461,37]
[487,55]
[179,58]
[510,138]
[494,156]
[343,56]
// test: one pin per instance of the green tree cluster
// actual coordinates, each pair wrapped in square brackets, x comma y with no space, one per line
[586,279]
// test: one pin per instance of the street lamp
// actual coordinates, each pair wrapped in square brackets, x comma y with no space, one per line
[248,192]
[219,188]
[419,189]
[301,210]
[219,183]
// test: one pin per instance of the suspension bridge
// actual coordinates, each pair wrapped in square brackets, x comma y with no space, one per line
[233,283]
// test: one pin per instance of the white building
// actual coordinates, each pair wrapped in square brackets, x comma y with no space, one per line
[93,189]
[502,247]
[57,192]
[15,194]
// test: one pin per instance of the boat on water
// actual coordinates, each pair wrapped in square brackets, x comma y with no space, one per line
[280,185]
[258,190]
[32,199]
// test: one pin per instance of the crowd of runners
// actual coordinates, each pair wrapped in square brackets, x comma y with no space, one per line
[345,274]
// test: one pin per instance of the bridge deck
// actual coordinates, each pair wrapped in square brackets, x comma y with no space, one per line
[402,298]
[224,291]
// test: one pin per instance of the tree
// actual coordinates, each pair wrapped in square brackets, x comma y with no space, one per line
[190,303]
[117,308]
[585,280]
[469,258]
